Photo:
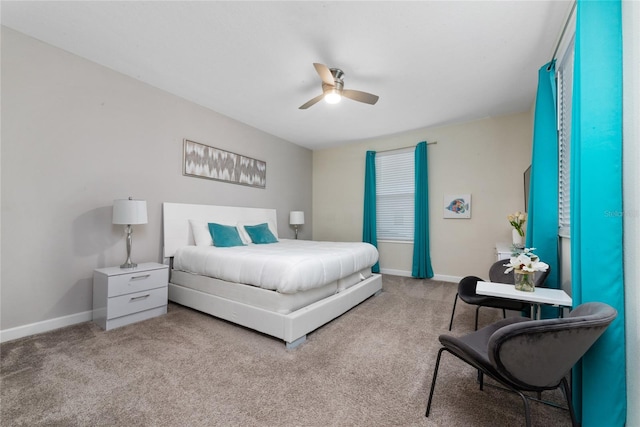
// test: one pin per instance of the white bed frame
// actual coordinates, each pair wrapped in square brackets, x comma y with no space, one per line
[293,327]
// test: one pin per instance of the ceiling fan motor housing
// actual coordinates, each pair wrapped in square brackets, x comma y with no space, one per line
[337,73]
[337,87]
[337,79]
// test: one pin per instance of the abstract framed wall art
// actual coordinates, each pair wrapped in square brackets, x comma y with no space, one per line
[457,206]
[203,161]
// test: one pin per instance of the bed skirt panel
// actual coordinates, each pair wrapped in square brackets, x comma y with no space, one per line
[288,327]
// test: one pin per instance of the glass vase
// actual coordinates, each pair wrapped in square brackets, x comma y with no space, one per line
[523,281]
[517,239]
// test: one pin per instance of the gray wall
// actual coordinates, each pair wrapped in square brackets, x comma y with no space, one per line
[76,136]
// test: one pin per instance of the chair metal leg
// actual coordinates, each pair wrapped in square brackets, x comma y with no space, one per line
[477,310]
[527,411]
[567,394]
[453,311]
[433,382]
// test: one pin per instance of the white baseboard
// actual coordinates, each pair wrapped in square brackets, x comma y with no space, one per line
[403,273]
[44,326]
[445,278]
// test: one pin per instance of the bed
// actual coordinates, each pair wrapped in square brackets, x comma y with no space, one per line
[285,289]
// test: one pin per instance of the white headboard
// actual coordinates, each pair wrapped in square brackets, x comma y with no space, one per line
[176,216]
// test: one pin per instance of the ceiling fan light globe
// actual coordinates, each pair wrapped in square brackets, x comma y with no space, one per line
[332,97]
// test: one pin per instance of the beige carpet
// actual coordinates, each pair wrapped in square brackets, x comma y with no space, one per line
[370,367]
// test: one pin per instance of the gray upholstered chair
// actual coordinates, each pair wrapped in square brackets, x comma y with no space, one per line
[529,355]
[467,291]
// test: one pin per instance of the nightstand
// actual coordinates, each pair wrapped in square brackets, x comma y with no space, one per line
[127,295]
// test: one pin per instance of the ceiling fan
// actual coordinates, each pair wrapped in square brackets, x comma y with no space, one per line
[333,88]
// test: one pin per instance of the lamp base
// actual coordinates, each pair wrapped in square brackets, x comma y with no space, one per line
[128,263]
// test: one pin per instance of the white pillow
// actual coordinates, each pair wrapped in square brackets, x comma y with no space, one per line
[246,239]
[201,234]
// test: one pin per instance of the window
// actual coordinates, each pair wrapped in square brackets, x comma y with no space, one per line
[395,190]
[564,76]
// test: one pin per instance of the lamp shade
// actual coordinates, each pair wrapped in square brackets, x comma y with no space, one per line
[129,211]
[296,218]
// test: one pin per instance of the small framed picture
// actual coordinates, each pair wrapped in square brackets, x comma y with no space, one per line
[457,206]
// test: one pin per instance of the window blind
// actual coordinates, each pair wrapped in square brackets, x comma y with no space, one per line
[395,188]
[565,90]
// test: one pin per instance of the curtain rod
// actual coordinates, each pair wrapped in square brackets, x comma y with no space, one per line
[402,148]
[566,24]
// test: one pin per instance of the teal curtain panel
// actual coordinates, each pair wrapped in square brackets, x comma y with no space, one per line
[542,229]
[596,213]
[369,234]
[421,267]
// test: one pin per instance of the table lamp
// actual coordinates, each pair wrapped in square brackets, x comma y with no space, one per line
[129,212]
[296,218]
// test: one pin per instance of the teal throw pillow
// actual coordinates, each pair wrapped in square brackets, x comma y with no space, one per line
[224,236]
[260,233]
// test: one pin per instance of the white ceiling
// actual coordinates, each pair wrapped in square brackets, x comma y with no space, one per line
[431,62]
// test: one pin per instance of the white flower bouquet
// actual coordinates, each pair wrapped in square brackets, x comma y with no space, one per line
[526,261]
[517,220]
[524,266]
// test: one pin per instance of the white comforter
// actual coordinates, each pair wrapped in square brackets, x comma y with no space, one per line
[288,266]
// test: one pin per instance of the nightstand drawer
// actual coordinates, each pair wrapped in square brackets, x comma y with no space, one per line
[140,301]
[137,281]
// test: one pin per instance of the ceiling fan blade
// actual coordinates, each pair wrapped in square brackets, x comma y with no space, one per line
[311,102]
[356,95]
[325,73]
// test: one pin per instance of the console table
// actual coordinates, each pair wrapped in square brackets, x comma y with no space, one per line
[503,251]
